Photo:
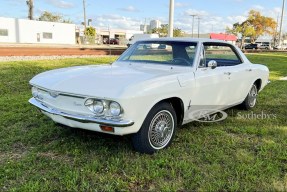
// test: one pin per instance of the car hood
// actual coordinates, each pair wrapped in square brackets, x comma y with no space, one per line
[105,81]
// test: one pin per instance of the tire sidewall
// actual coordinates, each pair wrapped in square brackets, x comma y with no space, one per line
[246,103]
[143,135]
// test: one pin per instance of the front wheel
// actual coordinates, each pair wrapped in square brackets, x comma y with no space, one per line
[251,98]
[157,131]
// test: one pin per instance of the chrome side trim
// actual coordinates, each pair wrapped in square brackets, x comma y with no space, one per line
[80,118]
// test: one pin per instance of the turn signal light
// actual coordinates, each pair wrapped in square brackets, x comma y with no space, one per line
[107,128]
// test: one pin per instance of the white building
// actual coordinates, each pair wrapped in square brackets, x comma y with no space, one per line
[14,30]
[155,24]
[145,28]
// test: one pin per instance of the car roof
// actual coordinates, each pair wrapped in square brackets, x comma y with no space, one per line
[185,39]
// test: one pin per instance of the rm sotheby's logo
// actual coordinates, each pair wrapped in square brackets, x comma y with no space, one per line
[208,115]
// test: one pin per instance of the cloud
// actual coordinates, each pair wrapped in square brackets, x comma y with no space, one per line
[195,12]
[258,7]
[235,19]
[129,9]
[61,4]
[179,4]
[115,21]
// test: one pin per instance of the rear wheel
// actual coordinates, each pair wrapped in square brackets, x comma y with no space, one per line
[157,131]
[251,98]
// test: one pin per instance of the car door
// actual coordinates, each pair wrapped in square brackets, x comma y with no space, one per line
[241,79]
[211,83]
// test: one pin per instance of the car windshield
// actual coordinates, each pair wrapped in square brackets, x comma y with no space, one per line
[161,52]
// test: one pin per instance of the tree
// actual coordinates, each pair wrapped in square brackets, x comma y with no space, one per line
[30,4]
[254,26]
[244,29]
[163,31]
[261,24]
[90,31]
[53,17]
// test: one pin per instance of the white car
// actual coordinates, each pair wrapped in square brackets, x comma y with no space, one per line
[150,92]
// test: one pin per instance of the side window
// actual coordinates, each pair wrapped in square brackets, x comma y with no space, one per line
[223,54]
[190,50]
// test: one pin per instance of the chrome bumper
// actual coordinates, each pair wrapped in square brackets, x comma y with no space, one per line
[84,119]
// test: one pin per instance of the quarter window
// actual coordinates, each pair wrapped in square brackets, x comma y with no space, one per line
[3,32]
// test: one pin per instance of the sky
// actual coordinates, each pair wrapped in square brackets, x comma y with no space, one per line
[215,15]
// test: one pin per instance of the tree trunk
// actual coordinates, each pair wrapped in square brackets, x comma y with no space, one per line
[242,42]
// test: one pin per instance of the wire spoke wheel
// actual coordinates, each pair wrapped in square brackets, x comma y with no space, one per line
[252,96]
[161,129]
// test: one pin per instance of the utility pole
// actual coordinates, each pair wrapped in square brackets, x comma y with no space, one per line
[85,18]
[30,4]
[193,15]
[198,26]
[281,23]
[171,13]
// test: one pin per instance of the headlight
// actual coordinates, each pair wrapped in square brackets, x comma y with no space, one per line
[115,109]
[103,107]
[96,106]
[35,92]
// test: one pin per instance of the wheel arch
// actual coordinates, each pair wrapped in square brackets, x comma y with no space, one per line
[258,84]
[178,106]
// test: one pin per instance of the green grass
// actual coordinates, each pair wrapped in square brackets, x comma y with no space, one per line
[237,154]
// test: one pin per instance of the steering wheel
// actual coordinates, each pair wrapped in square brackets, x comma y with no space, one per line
[179,61]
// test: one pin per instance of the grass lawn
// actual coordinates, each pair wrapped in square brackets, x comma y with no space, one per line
[237,154]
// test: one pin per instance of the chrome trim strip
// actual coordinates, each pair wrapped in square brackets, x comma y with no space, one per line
[80,118]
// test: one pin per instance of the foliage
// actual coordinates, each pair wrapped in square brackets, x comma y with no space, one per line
[163,31]
[90,31]
[261,24]
[254,26]
[53,17]
[237,154]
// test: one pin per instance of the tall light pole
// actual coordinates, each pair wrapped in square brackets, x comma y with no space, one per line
[198,26]
[85,18]
[281,23]
[171,13]
[193,15]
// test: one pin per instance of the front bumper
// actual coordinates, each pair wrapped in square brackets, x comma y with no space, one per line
[81,118]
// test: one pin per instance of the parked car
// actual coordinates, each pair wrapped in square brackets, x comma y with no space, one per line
[112,41]
[148,93]
[138,37]
[251,46]
[280,47]
[265,46]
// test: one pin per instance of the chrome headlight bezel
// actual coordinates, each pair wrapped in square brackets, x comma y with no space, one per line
[108,108]
[35,92]
[115,108]
[96,106]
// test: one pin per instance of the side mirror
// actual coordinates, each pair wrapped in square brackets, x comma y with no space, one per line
[212,64]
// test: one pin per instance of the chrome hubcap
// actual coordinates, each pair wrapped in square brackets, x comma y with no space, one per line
[252,96]
[161,129]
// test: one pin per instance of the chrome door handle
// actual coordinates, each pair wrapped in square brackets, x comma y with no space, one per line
[248,69]
[227,73]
